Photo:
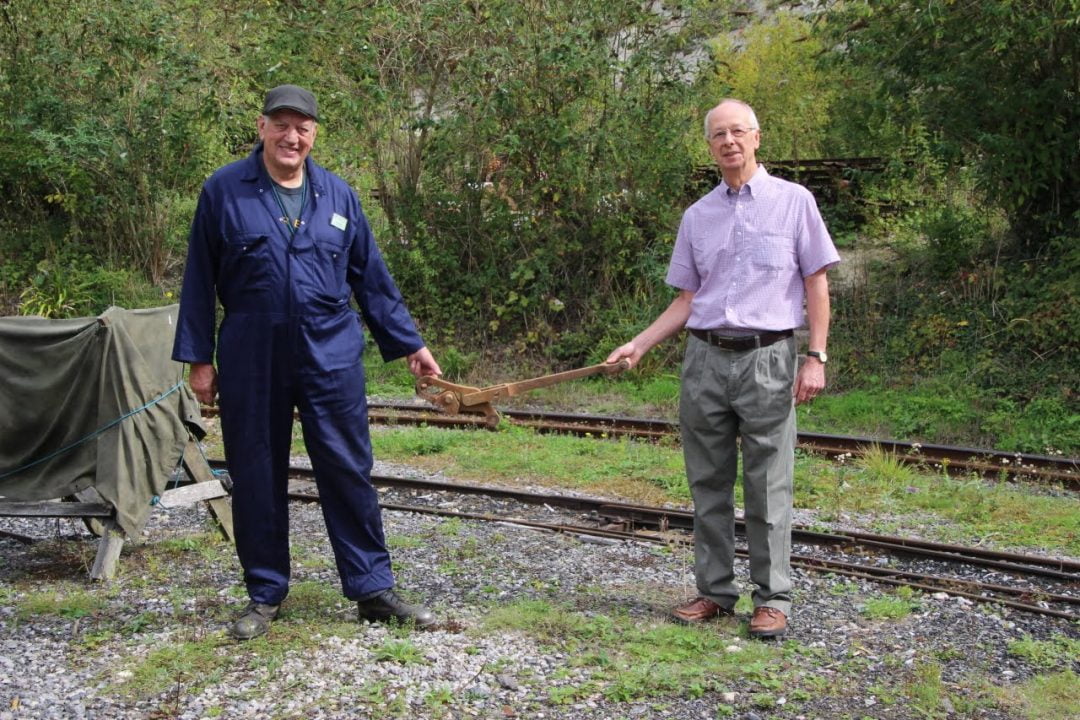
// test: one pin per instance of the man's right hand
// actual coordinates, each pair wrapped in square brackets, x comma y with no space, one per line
[203,381]
[628,352]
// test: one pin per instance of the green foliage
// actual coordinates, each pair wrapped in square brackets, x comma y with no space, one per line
[1056,653]
[980,335]
[631,660]
[772,65]
[402,652]
[997,84]
[52,293]
[527,186]
[106,107]
[529,163]
[893,606]
[1046,697]
[69,603]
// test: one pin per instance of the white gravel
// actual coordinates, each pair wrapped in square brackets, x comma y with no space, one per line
[837,662]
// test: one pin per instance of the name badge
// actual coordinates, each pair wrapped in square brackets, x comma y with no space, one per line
[339,222]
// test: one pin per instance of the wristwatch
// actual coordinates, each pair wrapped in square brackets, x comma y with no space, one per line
[821,356]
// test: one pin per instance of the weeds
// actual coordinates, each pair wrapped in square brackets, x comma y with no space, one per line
[1045,697]
[638,660]
[1057,652]
[68,603]
[439,699]
[901,603]
[401,652]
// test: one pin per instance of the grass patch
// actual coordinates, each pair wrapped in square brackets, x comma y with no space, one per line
[403,542]
[1007,515]
[642,472]
[969,510]
[875,482]
[208,545]
[66,602]
[193,664]
[402,652]
[202,659]
[948,411]
[317,602]
[944,409]
[892,606]
[631,659]
[1045,697]
[1057,652]
[927,691]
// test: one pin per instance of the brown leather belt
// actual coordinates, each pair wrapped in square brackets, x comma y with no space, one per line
[744,342]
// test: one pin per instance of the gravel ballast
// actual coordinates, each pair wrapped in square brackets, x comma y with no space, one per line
[177,588]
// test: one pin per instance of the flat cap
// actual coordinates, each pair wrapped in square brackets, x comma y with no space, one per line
[291,97]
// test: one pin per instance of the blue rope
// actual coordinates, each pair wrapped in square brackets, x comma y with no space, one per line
[94,434]
[155,500]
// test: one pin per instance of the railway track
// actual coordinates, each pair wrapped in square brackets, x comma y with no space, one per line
[1031,583]
[956,461]
[995,464]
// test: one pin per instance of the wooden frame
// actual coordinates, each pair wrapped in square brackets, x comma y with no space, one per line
[100,516]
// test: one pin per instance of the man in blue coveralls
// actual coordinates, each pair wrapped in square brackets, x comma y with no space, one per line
[283,244]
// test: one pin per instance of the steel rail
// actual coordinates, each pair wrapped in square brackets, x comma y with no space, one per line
[665,519]
[19,537]
[977,592]
[955,460]
[662,519]
[868,573]
[1057,568]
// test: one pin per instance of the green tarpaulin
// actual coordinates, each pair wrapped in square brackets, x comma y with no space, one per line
[93,402]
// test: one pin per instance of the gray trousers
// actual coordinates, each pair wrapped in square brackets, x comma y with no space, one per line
[727,396]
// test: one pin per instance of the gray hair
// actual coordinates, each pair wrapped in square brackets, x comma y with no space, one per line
[750,110]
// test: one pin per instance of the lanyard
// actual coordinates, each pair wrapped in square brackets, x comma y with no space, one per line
[291,223]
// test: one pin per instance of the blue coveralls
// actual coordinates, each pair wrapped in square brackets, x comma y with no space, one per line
[289,338]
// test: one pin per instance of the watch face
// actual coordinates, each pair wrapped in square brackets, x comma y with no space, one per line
[819,355]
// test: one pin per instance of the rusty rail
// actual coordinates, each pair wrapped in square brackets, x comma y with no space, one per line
[667,526]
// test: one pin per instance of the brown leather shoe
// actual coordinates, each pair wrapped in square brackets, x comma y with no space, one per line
[699,610]
[767,622]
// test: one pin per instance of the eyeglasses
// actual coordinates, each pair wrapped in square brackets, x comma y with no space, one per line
[735,132]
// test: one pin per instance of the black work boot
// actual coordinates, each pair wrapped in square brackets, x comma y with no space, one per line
[388,606]
[254,621]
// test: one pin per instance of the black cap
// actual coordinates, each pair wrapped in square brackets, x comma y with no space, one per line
[291,97]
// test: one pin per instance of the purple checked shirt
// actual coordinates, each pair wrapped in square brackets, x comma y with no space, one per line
[744,255]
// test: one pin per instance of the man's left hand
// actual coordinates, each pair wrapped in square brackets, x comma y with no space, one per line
[810,381]
[422,363]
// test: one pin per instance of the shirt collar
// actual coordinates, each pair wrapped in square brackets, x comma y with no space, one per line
[255,169]
[758,179]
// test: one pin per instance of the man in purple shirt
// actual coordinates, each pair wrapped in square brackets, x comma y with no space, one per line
[746,258]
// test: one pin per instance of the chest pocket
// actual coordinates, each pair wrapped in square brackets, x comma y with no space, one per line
[774,254]
[327,268]
[246,261]
[333,253]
